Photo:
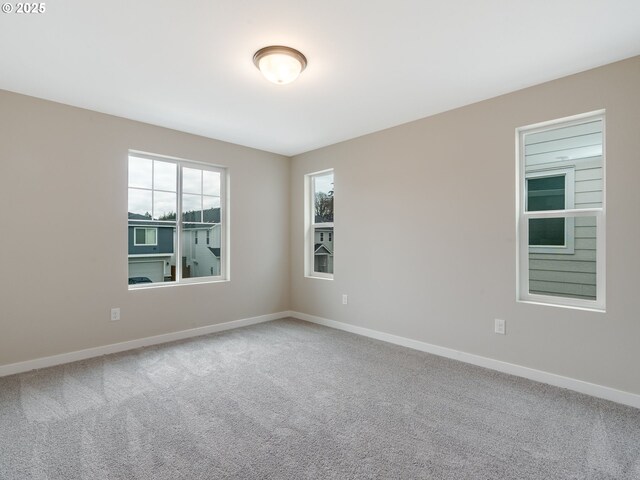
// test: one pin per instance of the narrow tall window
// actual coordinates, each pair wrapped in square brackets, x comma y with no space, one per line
[561,208]
[319,220]
[170,201]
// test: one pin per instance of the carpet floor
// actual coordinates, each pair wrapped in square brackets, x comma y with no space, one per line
[294,400]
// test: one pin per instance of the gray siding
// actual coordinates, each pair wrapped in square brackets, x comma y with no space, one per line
[580,147]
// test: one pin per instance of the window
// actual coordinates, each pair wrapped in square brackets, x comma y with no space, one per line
[561,210]
[145,236]
[551,189]
[170,200]
[319,224]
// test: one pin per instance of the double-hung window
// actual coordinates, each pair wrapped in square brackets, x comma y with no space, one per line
[561,212]
[319,248]
[170,202]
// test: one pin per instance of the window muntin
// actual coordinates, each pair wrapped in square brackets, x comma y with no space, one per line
[320,239]
[161,191]
[561,213]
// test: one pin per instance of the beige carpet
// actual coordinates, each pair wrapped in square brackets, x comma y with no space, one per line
[292,400]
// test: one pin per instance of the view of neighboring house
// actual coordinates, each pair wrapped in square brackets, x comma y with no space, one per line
[201,244]
[152,246]
[323,250]
[564,170]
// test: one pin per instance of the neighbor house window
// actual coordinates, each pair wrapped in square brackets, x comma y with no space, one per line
[319,249]
[169,201]
[551,189]
[561,209]
[145,236]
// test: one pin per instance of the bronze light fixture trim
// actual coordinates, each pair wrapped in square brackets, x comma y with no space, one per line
[280,64]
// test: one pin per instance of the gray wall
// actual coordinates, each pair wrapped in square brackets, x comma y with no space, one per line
[443,191]
[63,188]
[444,269]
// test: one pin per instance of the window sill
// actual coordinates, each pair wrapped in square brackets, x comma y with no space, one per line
[173,284]
[318,278]
[572,307]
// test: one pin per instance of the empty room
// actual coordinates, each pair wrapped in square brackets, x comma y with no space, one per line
[320,240]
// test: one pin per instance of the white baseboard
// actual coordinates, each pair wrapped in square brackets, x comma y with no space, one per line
[53,360]
[592,389]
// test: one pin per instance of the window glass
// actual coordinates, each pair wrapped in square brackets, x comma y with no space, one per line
[546,231]
[545,193]
[211,183]
[164,206]
[320,247]
[164,176]
[568,276]
[191,180]
[192,208]
[323,198]
[141,238]
[561,207]
[155,254]
[140,203]
[140,172]
[323,250]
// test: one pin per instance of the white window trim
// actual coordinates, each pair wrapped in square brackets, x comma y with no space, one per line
[569,202]
[224,221]
[310,226]
[136,244]
[522,222]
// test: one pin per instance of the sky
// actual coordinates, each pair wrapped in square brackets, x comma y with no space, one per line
[201,188]
[324,183]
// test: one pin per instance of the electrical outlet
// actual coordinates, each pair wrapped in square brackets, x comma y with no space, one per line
[115,314]
[500,326]
[345,299]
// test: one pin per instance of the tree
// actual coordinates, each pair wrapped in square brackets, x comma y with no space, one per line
[168,216]
[324,207]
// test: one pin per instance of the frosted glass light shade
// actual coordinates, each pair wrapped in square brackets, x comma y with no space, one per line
[280,65]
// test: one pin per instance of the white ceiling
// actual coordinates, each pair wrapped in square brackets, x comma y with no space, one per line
[373,64]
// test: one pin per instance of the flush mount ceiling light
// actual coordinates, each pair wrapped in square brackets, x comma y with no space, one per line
[280,64]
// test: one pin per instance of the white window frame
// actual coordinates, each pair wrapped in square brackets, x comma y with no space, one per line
[569,202]
[178,251]
[522,221]
[146,244]
[311,226]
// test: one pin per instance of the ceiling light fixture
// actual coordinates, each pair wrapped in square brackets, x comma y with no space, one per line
[280,65]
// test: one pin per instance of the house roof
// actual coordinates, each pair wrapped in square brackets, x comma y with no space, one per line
[320,246]
[215,251]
